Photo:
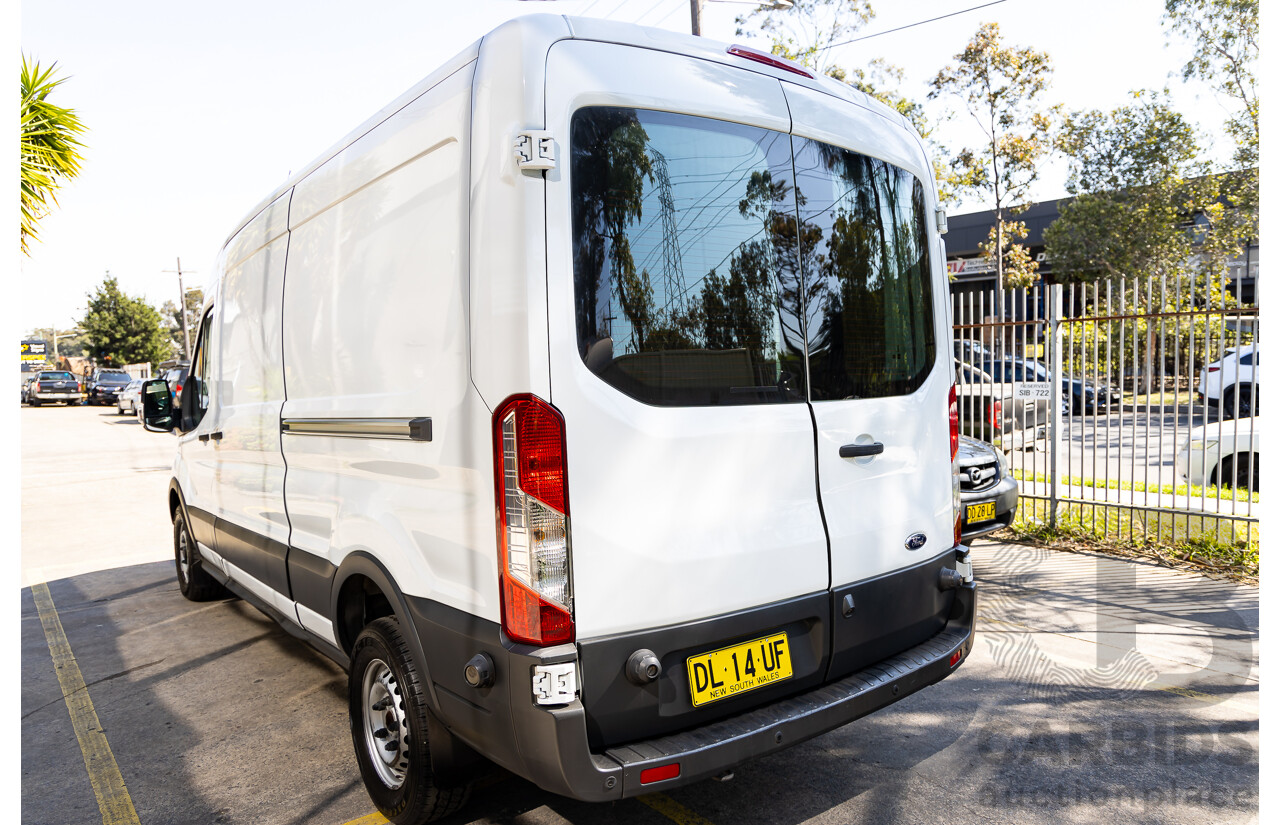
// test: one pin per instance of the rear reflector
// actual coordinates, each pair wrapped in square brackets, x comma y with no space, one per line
[955,657]
[649,775]
[767,59]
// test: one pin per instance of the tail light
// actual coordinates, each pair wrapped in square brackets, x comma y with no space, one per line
[995,412]
[1213,369]
[953,417]
[533,521]
[953,414]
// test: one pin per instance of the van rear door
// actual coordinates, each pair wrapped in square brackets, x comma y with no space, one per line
[675,347]
[876,332]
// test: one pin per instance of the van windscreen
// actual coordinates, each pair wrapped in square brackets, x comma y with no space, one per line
[695,284]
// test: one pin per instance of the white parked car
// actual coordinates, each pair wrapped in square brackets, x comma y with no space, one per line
[1231,383]
[1225,453]
[127,400]
[765,541]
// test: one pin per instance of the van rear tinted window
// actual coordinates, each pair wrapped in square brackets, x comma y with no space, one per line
[679,274]
[696,285]
[870,319]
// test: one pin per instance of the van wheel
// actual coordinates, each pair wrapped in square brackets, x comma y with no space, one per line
[196,584]
[388,712]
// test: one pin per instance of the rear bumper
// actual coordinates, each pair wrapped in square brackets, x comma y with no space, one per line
[551,747]
[56,396]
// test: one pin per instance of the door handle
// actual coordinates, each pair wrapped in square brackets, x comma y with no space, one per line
[861,450]
[216,435]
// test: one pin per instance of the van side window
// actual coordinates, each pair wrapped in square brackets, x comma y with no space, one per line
[685,277]
[865,250]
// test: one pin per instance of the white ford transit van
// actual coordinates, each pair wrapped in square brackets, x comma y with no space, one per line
[591,405]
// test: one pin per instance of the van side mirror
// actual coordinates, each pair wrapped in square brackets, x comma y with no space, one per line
[157,406]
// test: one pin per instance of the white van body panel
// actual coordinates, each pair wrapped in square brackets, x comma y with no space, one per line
[507,212]
[375,313]
[245,353]
[677,513]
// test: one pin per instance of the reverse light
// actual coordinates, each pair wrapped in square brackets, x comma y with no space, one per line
[748,53]
[533,521]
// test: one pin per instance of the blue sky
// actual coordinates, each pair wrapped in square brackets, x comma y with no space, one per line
[197,111]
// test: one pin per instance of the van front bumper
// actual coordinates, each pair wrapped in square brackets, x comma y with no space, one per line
[551,748]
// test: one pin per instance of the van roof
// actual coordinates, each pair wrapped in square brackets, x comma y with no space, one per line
[544,30]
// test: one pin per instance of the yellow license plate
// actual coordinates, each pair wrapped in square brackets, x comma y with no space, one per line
[980,512]
[730,671]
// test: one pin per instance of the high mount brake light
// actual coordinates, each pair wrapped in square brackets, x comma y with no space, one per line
[533,521]
[768,60]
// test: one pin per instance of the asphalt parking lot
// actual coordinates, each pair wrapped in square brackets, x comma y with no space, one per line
[1099,689]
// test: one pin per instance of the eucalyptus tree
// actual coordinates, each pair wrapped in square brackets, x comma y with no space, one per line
[1002,88]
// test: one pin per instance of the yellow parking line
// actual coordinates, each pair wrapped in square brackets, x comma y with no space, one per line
[104,774]
[374,818]
[673,810]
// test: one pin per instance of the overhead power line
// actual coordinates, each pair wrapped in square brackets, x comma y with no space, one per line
[910,25]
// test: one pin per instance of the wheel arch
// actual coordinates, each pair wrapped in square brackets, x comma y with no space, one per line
[359,582]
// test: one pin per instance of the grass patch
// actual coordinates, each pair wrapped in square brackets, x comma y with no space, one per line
[1194,490]
[1202,543]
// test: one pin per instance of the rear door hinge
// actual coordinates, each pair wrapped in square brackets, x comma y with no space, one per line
[535,150]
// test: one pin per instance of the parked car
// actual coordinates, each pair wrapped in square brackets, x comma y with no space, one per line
[989,412]
[53,387]
[175,377]
[1230,384]
[127,400]
[1083,395]
[763,544]
[1223,453]
[26,388]
[105,386]
[988,491]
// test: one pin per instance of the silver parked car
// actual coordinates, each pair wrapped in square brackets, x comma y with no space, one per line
[988,491]
[127,400]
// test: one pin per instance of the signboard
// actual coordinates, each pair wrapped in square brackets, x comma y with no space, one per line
[33,350]
[970,266]
[1035,390]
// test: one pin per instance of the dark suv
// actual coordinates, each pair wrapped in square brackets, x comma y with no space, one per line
[105,386]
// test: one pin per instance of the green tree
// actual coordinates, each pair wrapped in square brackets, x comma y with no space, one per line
[807,31]
[1225,33]
[50,146]
[1002,88]
[194,301]
[1137,175]
[122,329]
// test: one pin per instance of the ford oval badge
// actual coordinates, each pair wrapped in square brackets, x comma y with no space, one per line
[916,541]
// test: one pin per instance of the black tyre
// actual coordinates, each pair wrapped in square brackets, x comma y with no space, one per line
[194,582]
[33,402]
[1236,471]
[388,712]
[1242,403]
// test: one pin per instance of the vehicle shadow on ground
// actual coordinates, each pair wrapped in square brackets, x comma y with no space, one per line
[215,714]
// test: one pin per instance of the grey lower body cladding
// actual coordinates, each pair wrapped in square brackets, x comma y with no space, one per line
[915,634]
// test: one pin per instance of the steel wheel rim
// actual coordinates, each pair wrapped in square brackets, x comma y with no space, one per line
[184,553]
[386,728]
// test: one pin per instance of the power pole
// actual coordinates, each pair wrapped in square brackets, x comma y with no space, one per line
[182,312]
[695,11]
